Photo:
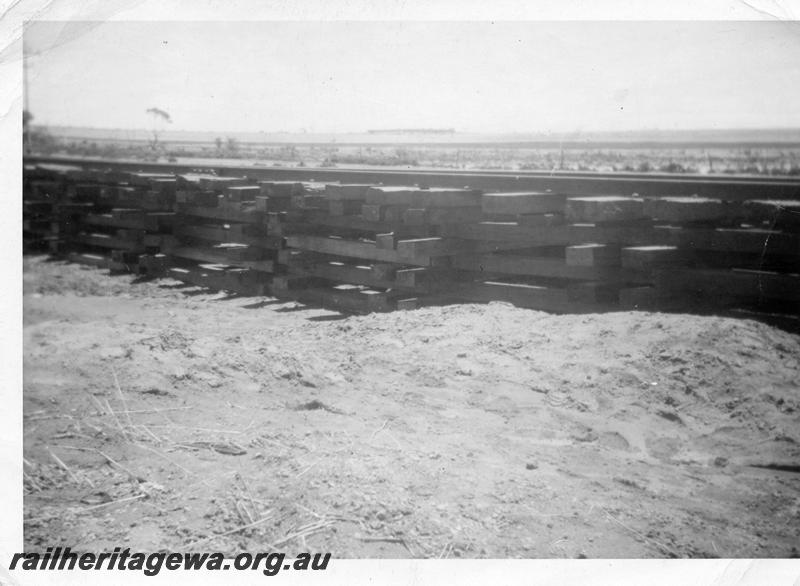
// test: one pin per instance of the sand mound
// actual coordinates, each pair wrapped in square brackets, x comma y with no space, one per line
[479,430]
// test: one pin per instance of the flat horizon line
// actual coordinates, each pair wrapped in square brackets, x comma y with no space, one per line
[441,130]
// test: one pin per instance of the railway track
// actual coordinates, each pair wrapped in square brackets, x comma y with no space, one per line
[729,188]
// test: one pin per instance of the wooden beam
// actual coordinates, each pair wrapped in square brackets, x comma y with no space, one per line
[346,191]
[592,255]
[608,208]
[507,232]
[548,267]
[350,248]
[109,241]
[522,202]
[95,260]
[774,213]
[346,273]
[241,193]
[236,233]
[386,241]
[743,285]
[344,207]
[280,189]
[231,215]
[688,209]
[386,196]
[529,296]
[438,197]
[644,258]
[438,216]
[729,240]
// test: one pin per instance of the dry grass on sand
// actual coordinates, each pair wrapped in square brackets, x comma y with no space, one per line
[165,417]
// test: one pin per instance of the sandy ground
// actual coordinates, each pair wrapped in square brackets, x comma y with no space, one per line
[465,431]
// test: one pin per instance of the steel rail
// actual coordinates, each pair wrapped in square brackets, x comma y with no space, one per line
[734,188]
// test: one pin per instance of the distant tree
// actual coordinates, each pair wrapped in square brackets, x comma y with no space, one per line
[218,143]
[160,117]
[233,145]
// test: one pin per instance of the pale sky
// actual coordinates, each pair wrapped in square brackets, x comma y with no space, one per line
[475,77]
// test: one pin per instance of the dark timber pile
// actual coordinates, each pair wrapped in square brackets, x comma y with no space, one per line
[364,247]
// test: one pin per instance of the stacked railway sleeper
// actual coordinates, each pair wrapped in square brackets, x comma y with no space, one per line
[711,253]
[364,247]
[628,252]
[43,212]
[223,240]
[113,220]
[130,221]
[534,261]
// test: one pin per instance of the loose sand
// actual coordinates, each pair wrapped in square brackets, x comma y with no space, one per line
[463,431]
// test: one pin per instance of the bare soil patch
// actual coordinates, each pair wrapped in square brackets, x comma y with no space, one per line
[159,416]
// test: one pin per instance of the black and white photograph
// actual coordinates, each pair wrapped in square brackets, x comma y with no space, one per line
[306,290]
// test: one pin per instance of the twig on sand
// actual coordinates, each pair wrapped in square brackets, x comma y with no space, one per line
[235,530]
[666,548]
[259,501]
[304,531]
[125,500]
[172,424]
[244,512]
[121,397]
[92,427]
[380,429]
[263,438]
[309,511]
[101,411]
[377,431]
[41,417]
[307,468]
[66,447]
[150,433]
[60,462]
[98,403]
[389,539]
[331,517]
[68,434]
[171,461]
[161,410]
[248,492]
[31,481]
[116,419]
[249,425]
[110,460]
